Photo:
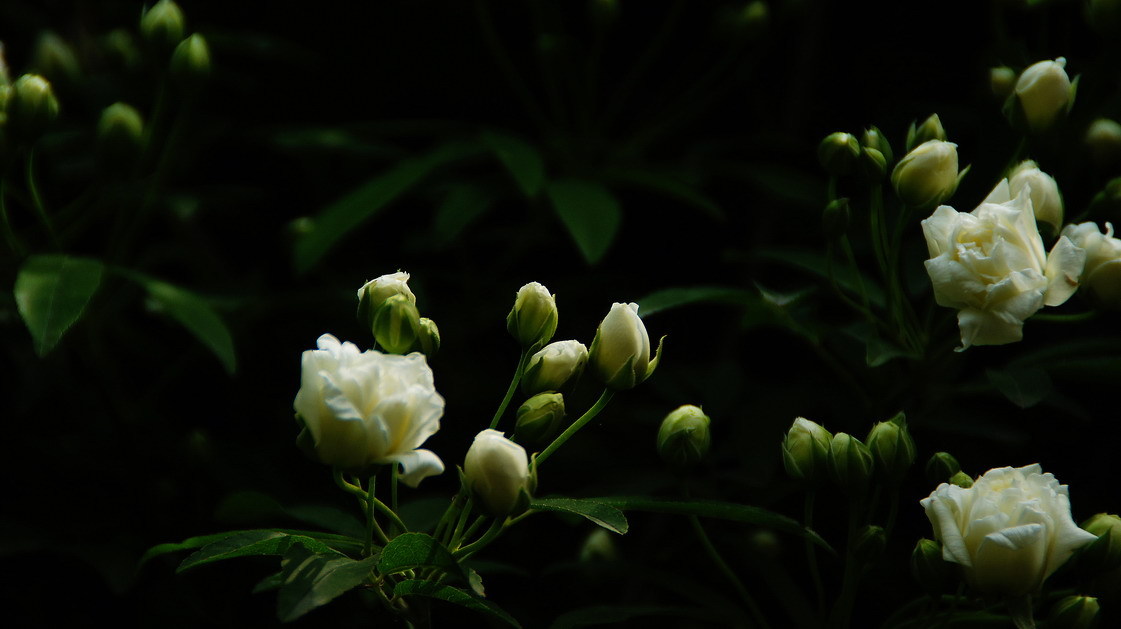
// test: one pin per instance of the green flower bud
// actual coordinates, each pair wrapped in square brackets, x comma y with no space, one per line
[1002,80]
[497,473]
[873,165]
[838,153]
[850,463]
[934,574]
[1104,553]
[120,47]
[872,138]
[941,467]
[556,367]
[539,417]
[1074,612]
[805,450]
[55,59]
[598,546]
[836,218]
[162,26]
[429,337]
[120,134]
[683,438]
[869,544]
[533,319]
[620,352]
[190,63]
[892,449]
[397,325]
[32,107]
[374,293]
[928,175]
[1103,138]
[930,129]
[961,479]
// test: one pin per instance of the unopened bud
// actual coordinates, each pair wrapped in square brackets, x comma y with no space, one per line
[683,438]
[396,325]
[429,337]
[374,293]
[55,59]
[120,134]
[1103,138]
[1103,554]
[839,153]
[873,138]
[1002,80]
[533,319]
[190,63]
[961,479]
[941,467]
[805,450]
[850,463]
[869,544]
[930,129]
[934,574]
[32,107]
[928,175]
[539,417]
[556,367]
[873,165]
[892,448]
[835,219]
[1044,92]
[1074,612]
[162,26]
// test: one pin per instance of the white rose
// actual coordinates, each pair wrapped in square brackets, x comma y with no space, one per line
[1046,201]
[496,471]
[556,365]
[1044,90]
[928,174]
[990,264]
[620,352]
[1102,275]
[1009,531]
[369,408]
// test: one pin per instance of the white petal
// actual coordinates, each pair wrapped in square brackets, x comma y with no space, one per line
[1064,267]
[416,465]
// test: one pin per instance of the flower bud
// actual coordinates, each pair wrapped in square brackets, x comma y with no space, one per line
[1045,198]
[55,59]
[374,293]
[120,134]
[869,544]
[396,325]
[941,467]
[120,48]
[539,417]
[873,138]
[557,366]
[930,129]
[835,219]
[1044,91]
[1101,273]
[1104,553]
[683,438]
[934,574]
[961,479]
[190,64]
[892,449]
[928,175]
[496,472]
[805,450]
[872,165]
[533,319]
[1103,138]
[850,463]
[32,107]
[1074,612]
[429,337]
[620,353]
[598,546]
[838,153]
[1002,80]
[162,26]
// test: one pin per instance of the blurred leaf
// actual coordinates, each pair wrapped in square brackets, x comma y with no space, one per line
[668,298]
[589,212]
[817,264]
[254,506]
[312,580]
[193,313]
[51,292]
[1023,386]
[520,158]
[422,514]
[787,184]
[610,614]
[252,544]
[417,550]
[338,542]
[463,205]
[604,515]
[667,185]
[269,583]
[735,512]
[332,139]
[345,215]
[451,594]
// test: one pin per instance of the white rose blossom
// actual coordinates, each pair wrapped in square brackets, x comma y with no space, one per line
[365,408]
[1102,274]
[990,264]
[1009,531]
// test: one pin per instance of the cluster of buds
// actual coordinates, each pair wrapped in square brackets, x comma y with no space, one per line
[810,454]
[928,174]
[163,30]
[388,307]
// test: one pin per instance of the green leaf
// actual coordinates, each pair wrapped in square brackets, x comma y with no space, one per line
[413,587]
[250,507]
[252,544]
[611,614]
[269,583]
[589,212]
[667,184]
[409,551]
[746,514]
[462,206]
[193,313]
[1023,386]
[51,292]
[669,298]
[345,215]
[595,510]
[817,264]
[520,158]
[340,543]
[312,580]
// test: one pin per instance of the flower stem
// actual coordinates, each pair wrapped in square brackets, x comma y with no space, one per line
[488,537]
[9,233]
[510,391]
[811,553]
[393,501]
[37,200]
[372,526]
[588,416]
[726,570]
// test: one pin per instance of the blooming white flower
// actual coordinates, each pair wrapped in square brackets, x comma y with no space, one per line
[1102,275]
[365,408]
[1046,201]
[496,471]
[1044,90]
[1009,531]
[990,264]
[928,174]
[554,366]
[620,352]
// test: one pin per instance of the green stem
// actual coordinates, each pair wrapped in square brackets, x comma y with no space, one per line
[372,526]
[811,553]
[457,532]
[37,200]
[604,398]
[9,233]
[449,515]
[393,501]
[510,391]
[470,531]
[488,537]
[726,570]
[394,519]
[349,487]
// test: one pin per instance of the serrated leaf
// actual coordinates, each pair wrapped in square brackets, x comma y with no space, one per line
[51,292]
[604,515]
[312,579]
[253,544]
[589,212]
[346,214]
[735,512]
[520,158]
[1023,386]
[669,298]
[409,551]
[429,589]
